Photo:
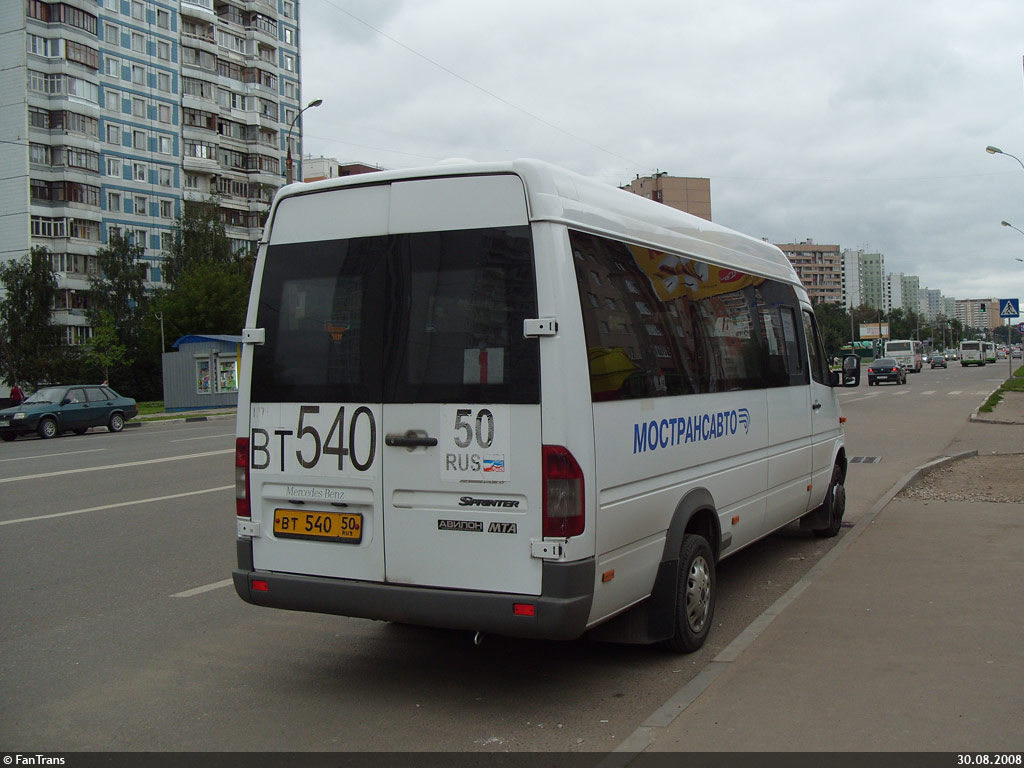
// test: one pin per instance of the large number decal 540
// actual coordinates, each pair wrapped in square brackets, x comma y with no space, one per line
[311,447]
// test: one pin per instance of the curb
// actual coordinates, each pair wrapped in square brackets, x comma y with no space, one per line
[644,735]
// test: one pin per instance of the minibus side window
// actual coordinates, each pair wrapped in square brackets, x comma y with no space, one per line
[657,324]
[819,367]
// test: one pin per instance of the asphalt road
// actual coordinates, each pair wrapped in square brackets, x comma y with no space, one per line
[120,630]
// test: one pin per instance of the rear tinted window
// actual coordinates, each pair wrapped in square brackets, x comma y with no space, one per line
[423,317]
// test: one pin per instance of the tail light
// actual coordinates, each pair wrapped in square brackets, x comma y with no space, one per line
[242,477]
[563,493]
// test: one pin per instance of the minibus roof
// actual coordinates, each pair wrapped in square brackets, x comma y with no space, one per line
[558,195]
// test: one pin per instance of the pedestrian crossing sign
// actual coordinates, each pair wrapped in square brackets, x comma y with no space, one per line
[1009,307]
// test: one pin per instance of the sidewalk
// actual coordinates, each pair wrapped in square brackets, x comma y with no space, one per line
[172,416]
[905,637]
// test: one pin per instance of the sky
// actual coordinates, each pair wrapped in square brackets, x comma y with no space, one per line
[860,123]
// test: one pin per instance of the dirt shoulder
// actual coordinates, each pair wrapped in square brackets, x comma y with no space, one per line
[980,478]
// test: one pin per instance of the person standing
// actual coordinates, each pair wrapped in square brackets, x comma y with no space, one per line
[17,396]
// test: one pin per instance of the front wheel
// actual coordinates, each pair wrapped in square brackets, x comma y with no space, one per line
[695,595]
[835,503]
[47,428]
[116,423]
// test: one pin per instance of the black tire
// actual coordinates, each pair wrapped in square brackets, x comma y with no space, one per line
[116,423]
[835,503]
[8,437]
[80,430]
[696,590]
[47,428]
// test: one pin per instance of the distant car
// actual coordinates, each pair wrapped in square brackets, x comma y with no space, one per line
[886,369]
[1017,353]
[938,361]
[73,408]
[951,355]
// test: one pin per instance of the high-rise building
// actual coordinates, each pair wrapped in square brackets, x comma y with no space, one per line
[931,303]
[979,314]
[864,279]
[820,268]
[117,111]
[692,195]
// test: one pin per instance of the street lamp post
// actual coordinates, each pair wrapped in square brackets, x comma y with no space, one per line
[997,151]
[288,137]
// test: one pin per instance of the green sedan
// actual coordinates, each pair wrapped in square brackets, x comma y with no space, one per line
[73,408]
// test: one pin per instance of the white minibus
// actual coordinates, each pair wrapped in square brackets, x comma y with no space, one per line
[972,353]
[909,353]
[508,399]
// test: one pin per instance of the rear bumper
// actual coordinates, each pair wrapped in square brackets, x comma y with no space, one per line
[561,611]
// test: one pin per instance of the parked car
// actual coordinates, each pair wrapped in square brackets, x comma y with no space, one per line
[71,408]
[939,361]
[886,369]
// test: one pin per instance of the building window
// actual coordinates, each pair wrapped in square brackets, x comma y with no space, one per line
[114,202]
[140,205]
[203,383]
[139,171]
[138,107]
[138,74]
[114,166]
[166,209]
[114,134]
[165,177]
[111,100]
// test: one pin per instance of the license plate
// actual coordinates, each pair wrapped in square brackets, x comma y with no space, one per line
[318,526]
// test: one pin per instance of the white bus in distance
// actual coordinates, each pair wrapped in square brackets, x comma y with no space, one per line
[971,353]
[909,353]
[509,399]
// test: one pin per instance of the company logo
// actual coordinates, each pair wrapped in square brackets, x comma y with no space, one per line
[681,430]
[729,275]
[469,501]
[473,526]
[744,416]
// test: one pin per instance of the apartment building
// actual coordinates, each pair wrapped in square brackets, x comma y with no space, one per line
[117,111]
[820,268]
[864,279]
[979,313]
[318,168]
[692,195]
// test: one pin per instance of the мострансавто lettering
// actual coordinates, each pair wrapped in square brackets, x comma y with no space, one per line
[679,430]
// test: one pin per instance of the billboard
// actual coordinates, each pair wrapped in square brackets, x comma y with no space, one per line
[874,330]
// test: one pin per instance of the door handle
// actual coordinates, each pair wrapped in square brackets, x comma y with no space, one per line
[816,405]
[409,440]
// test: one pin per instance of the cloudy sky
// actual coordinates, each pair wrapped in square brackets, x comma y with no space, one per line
[857,122]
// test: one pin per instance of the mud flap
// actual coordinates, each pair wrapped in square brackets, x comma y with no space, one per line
[652,620]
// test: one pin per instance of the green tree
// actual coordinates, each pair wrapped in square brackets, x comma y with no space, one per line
[105,348]
[834,324]
[199,239]
[209,285]
[30,348]
[119,303]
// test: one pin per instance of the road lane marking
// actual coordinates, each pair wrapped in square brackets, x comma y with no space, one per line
[50,455]
[957,392]
[204,437]
[205,588]
[928,392]
[117,505]
[114,466]
[866,397]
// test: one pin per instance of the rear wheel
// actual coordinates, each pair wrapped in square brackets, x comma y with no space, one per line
[695,595]
[116,423]
[835,503]
[47,428]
